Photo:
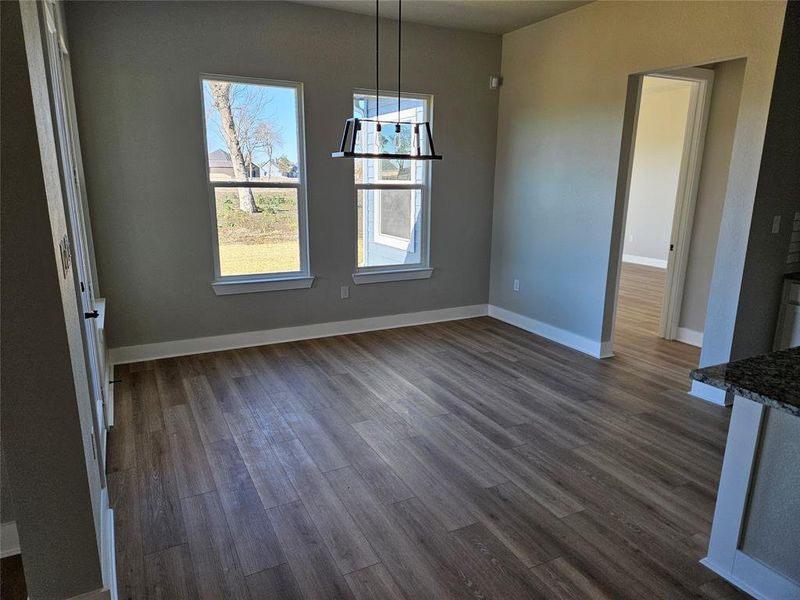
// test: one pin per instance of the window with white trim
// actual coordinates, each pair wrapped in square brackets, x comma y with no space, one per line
[256,178]
[393,195]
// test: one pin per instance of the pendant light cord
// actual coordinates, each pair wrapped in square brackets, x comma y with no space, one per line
[377,61]
[399,50]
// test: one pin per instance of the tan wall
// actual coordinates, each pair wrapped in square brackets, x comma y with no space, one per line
[660,134]
[557,221]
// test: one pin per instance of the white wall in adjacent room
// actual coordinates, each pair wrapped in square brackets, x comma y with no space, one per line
[660,137]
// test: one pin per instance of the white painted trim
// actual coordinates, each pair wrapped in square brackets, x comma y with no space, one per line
[741,448]
[724,556]
[301,185]
[555,334]
[686,198]
[709,393]
[9,539]
[690,336]
[384,276]
[645,260]
[763,582]
[128,354]
[225,288]
[99,594]
[108,546]
[424,187]
[779,589]
[109,377]
[606,349]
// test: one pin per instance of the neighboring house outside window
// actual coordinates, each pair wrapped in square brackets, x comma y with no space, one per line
[220,167]
[393,195]
[256,178]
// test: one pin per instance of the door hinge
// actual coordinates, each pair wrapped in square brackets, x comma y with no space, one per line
[91,315]
[66,255]
[83,288]
[94,445]
[671,247]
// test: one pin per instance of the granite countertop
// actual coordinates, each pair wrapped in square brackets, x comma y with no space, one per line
[772,379]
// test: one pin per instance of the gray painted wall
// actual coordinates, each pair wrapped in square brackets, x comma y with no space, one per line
[46,411]
[557,215]
[7,512]
[772,528]
[711,191]
[136,68]
[778,193]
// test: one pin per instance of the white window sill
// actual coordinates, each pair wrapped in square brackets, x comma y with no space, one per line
[384,276]
[248,286]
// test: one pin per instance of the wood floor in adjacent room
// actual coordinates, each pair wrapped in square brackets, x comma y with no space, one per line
[467,459]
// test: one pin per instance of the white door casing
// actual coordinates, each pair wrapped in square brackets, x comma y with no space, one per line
[686,198]
[68,147]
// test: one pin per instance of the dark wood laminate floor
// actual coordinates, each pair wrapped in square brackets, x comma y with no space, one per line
[467,459]
[12,578]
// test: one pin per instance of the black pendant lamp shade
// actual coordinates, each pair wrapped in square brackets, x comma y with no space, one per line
[419,130]
[352,126]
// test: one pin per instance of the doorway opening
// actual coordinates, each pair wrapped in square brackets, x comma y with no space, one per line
[664,170]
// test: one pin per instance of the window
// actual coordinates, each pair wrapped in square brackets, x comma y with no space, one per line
[392,195]
[256,177]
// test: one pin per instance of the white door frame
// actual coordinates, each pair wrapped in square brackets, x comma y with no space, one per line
[686,198]
[68,152]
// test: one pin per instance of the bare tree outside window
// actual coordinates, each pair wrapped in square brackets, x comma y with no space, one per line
[253,143]
[267,138]
[252,136]
[221,94]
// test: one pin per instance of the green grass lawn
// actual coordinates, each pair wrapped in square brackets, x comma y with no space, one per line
[266,241]
[243,259]
[262,242]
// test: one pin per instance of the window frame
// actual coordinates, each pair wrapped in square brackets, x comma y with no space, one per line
[261,282]
[422,269]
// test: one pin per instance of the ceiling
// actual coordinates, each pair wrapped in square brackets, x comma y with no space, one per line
[488,16]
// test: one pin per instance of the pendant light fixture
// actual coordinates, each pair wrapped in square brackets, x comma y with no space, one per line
[353,125]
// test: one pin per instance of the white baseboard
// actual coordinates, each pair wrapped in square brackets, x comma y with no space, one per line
[689,336]
[756,579]
[709,393]
[108,547]
[606,349]
[644,260]
[556,334]
[128,354]
[9,539]
[109,387]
